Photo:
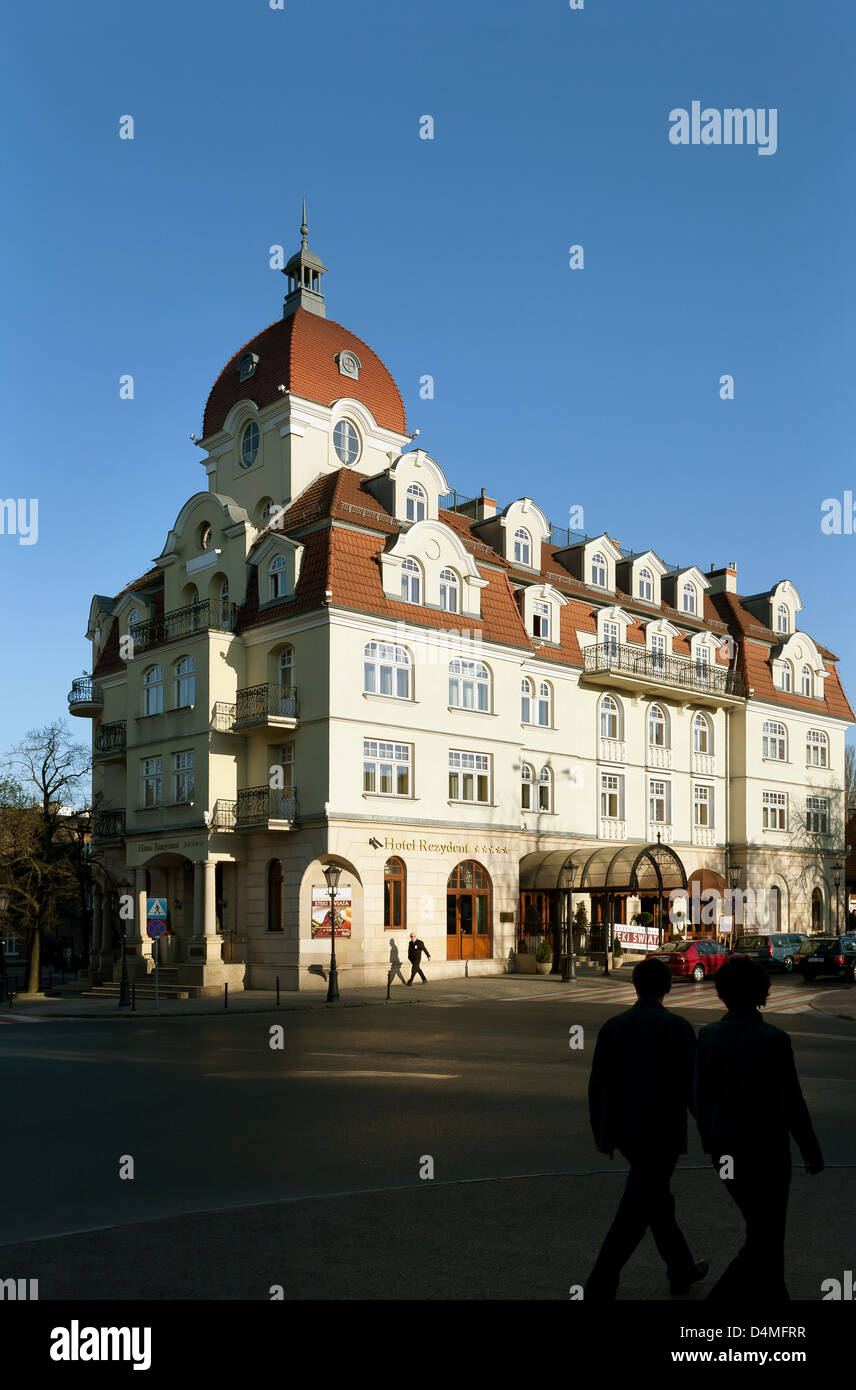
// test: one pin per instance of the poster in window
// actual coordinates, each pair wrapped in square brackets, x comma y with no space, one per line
[321,911]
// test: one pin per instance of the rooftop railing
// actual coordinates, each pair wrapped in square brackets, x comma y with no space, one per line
[184,622]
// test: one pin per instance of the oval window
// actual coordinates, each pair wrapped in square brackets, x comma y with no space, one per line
[249,444]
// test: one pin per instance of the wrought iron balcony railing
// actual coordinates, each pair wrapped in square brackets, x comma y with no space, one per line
[184,622]
[258,805]
[262,701]
[112,738]
[620,659]
[85,691]
[109,825]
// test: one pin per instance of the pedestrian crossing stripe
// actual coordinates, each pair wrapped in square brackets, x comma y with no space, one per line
[22,1018]
[626,994]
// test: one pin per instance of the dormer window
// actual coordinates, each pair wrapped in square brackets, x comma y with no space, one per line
[541,620]
[247,365]
[522,547]
[807,682]
[411,581]
[598,570]
[611,635]
[415,505]
[783,675]
[449,586]
[689,597]
[346,442]
[783,619]
[646,585]
[278,576]
[133,617]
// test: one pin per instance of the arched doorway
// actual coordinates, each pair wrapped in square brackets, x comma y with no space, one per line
[774,918]
[468,912]
[816,910]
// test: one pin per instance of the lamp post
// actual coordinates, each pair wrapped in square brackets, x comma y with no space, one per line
[837,871]
[331,874]
[4,908]
[569,963]
[734,881]
[124,983]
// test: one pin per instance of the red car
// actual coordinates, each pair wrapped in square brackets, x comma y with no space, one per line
[694,958]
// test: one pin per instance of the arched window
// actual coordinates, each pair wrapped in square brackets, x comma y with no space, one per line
[153,690]
[469,685]
[775,740]
[816,748]
[611,635]
[346,442]
[522,547]
[133,617]
[274,895]
[526,696]
[598,570]
[786,679]
[702,736]
[807,682]
[545,789]
[223,591]
[775,909]
[411,581]
[468,912]
[816,910]
[449,585]
[394,894]
[205,534]
[386,670]
[415,503]
[657,727]
[278,576]
[646,585]
[783,621]
[689,597]
[544,707]
[184,682]
[527,782]
[610,717]
[541,619]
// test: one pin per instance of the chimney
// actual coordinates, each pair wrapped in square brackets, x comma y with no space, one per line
[723,581]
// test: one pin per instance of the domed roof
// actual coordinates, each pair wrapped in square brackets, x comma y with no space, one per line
[300,353]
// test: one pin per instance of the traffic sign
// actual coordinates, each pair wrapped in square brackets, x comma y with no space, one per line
[155,927]
[156,907]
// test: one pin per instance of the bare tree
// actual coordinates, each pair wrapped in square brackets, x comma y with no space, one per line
[850,778]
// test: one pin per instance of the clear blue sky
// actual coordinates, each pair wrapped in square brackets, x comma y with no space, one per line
[450,257]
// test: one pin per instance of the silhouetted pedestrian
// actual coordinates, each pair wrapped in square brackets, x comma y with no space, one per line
[415,951]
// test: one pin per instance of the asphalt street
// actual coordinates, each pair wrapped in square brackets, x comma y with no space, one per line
[250,1163]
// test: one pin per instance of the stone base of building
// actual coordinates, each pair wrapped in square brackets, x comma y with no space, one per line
[314,978]
[207,978]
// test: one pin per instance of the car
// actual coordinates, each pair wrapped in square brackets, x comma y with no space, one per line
[773,950]
[695,959]
[828,955]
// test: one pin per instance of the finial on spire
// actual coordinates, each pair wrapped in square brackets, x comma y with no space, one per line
[304,272]
[304,229]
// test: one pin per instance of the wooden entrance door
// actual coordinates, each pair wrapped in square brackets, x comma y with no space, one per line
[468,913]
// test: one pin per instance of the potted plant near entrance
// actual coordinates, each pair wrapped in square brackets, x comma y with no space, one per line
[544,956]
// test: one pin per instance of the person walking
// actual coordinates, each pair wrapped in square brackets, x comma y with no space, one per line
[639,1093]
[415,951]
[748,1102]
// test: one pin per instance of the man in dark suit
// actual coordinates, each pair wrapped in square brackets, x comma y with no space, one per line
[748,1102]
[639,1091]
[415,949]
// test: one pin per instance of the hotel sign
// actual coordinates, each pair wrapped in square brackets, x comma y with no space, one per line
[443,847]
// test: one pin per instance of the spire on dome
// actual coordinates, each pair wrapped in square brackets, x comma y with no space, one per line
[304,272]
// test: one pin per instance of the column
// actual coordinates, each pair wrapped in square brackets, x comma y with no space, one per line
[95,932]
[198,897]
[209,919]
[106,925]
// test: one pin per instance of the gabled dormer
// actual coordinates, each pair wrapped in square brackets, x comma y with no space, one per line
[660,636]
[541,608]
[639,577]
[278,560]
[798,667]
[517,533]
[784,603]
[411,488]
[685,591]
[429,566]
[593,562]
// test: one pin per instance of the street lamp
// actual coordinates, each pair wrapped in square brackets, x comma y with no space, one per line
[734,881]
[4,908]
[332,874]
[569,963]
[837,871]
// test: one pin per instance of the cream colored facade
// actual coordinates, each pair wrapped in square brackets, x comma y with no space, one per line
[278,785]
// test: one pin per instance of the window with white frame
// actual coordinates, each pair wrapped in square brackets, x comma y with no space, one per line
[526,700]
[783,620]
[657,728]
[522,547]
[774,743]
[278,576]
[411,581]
[152,770]
[658,651]
[774,810]
[527,787]
[702,740]
[702,806]
[807,682]
[184,682]
[646,585]
[449,591]
[285,667]
[610,717]
[469,776]
[183,776]
[611,634]
[598,570]
[660,801]
[224,591]
[285,760]
[702,664]
[386,670]
[415,503]
[544,704]
[386,767]
[783,675]
[611,795]
[545,789]
[689,597]
[817,815]
[541,619]
[816,748]
[153,690]
[133,618]
[469,685]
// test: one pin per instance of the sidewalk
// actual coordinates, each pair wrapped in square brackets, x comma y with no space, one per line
[838,1003]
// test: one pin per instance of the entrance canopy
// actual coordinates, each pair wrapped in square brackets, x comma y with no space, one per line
[654,868]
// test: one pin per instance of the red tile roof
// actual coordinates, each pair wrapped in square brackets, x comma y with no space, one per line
[299,353]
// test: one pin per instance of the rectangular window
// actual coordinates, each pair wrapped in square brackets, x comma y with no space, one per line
[611,795]
[610,638]
[541,619]
[660,801]
[469,777]
[775,810]
[658,651]
[184,776]
[702,806]
[817,815]
[152,781]
[386,767]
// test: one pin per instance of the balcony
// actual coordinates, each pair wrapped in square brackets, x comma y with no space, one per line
[658,756]
[109,825]
[658,830]
[85,698]
[259,806]
[257,707]
[613,750]
[704,764]
[704,836]
[180,623]
[224,814]
[637,669]
[612,829]
[111,741]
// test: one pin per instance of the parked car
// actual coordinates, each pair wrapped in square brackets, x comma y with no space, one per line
[828,955]
[696,959]
[773,950]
